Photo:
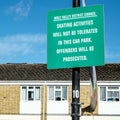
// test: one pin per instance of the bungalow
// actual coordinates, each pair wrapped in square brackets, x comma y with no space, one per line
[30,91]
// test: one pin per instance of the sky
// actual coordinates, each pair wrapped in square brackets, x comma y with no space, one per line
[23,29]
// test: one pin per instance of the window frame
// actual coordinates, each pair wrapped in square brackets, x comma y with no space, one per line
[105,96]
[30,90]
[112,89]
[55,91]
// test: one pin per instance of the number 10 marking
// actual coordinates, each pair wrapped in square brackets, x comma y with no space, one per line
[75,93]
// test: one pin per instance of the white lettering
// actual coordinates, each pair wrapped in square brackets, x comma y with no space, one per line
[74,58]
[83,49]
[67,50]
[67,41]
[76,41]
[85,40]
[57,34]
[83,23]
[66,33]
[87,31]
[76,94]
[91,48]
[64,25]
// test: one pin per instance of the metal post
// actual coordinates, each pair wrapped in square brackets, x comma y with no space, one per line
[76,3]
[75,93]
[75,84]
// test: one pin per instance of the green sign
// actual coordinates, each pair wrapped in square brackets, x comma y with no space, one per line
[75,37]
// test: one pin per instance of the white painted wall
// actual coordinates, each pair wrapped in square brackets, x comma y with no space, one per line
[61,117]
[57,107]
[20,117]
[84,117]
[111,108]
[30,107]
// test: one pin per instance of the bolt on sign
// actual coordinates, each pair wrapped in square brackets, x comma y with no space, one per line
[75,37]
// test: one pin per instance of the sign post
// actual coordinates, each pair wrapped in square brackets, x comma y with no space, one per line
[75,39]
[75,113]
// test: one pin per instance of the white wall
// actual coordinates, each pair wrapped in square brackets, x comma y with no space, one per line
[84,118]
[62,117]
[57,107]
[109,108]
[20,117]
[30,107]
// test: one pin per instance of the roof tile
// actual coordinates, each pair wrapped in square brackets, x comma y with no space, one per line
[109,72]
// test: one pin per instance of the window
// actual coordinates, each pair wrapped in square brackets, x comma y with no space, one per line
[24,93]
[37,93]
[109,93]
[30,93]
[58,93]
[103,93]
[113,94]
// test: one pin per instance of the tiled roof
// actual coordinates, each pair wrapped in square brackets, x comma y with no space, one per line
[10,72]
